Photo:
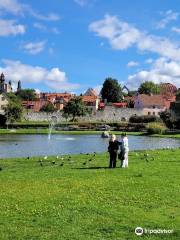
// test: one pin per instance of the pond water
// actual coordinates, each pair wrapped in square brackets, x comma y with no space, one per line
[22,145]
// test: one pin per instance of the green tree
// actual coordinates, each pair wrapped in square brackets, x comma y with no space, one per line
[175,106]
[27,94]
[13,111]
[111,90]
[149,87]
[75,108]
[49,107]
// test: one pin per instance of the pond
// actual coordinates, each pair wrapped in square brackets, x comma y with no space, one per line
[23,145]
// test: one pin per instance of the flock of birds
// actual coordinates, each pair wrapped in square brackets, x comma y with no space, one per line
[64,159]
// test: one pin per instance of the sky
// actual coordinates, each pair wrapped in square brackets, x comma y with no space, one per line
[71,45]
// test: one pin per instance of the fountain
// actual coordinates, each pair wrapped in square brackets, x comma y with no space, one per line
[52,123]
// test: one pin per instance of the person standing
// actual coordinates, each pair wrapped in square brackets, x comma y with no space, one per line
[113,149]
[124,146]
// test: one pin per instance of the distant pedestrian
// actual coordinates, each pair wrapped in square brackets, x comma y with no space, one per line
[124,150]
[113,149]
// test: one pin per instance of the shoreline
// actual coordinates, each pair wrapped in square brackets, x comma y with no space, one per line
[82,132]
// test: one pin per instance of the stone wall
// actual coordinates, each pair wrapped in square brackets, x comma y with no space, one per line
[109,114]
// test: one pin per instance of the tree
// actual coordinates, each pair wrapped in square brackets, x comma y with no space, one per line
[27,94]
[13,111]
[49,107]
[111,90]
[75,108]
[149,87]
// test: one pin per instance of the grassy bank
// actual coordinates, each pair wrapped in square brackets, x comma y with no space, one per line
[85,132]
[85,200]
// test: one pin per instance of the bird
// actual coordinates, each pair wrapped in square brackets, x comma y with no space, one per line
[28,157]
[53,162]
[61,164]
[84,163]
[45,157]
[57,157]
[0,168]
[41,163]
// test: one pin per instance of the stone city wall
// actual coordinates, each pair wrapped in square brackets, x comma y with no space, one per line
[109,114]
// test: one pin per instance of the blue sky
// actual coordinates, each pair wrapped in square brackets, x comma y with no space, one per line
[70,45]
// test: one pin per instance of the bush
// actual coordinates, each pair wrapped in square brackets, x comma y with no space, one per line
[156,128]
[143,119]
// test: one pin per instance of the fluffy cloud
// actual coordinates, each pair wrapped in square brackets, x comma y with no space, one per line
[10,27]
[34,48]
[132,64]
[53,78]
[11,6]
[161,71]
[122,35]
[168,17]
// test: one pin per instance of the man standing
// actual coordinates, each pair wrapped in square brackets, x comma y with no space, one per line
[113,149]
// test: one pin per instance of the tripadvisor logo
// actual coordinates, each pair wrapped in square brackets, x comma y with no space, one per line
[139,231]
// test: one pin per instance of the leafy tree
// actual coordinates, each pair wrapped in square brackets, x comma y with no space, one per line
[175,106]
[49,107]
[149,87]
[13,111]
[2,120]
[111,90]
[75,108]
[27,94]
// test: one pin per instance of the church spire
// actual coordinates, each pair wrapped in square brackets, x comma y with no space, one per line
[19,86]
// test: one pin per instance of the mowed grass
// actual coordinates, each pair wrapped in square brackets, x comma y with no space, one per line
[78,198]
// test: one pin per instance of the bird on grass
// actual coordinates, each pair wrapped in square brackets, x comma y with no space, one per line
[0,168]
[53,162]
[61,165]
[28,157]
[41,163]
[84,163]
[45,157]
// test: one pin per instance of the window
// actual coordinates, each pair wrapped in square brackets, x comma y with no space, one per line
[154,106]
[154,113]
[149,113]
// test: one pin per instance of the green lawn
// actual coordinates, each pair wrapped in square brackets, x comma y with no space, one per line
[84,200]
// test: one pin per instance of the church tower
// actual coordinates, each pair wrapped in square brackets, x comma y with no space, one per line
[2,82]
[19,86]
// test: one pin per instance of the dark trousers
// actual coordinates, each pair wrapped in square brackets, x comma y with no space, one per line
[113,157]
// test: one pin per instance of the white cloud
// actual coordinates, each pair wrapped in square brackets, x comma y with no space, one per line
[10,27]
[53,78]
[122,35]
[82,3]
[149,61]
[161,71]
[18,8]
[40,26]
[132,64]
[168,17]
[34,48]
[175,29]
[11,6]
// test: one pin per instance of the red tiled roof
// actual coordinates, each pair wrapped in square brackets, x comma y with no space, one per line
[89,98]
[120,104]
[155,100]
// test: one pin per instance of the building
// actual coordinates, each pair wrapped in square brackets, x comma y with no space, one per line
[151,104]
[3,103]
[4,87]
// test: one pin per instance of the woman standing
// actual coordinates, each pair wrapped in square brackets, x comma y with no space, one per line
[113,149]
[124,150]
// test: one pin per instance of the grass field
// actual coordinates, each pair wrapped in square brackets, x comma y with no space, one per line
[84,200]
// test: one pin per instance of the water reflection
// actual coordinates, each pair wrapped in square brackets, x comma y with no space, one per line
[31,145]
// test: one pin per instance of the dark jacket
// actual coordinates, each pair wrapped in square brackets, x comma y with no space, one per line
[113,146]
